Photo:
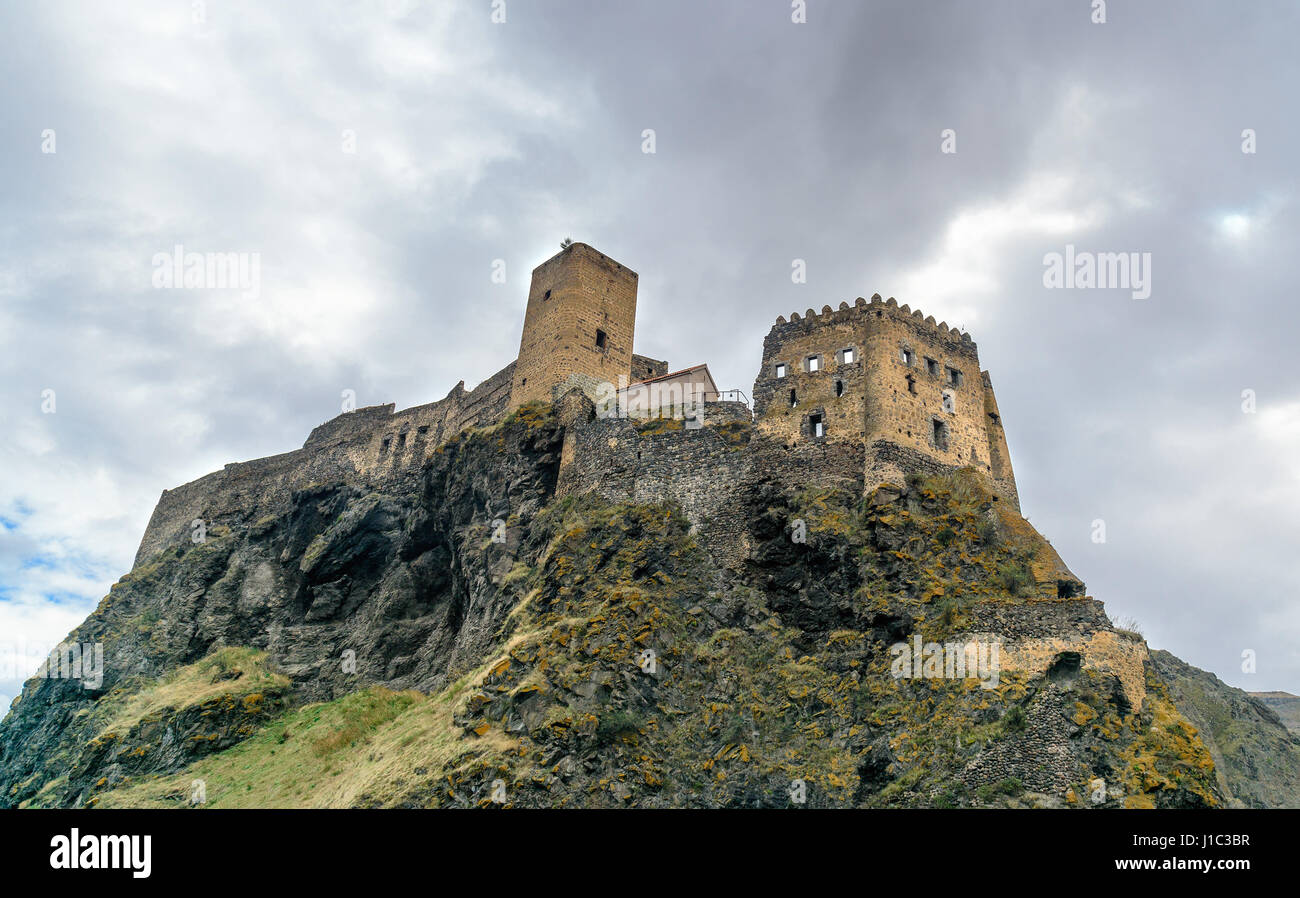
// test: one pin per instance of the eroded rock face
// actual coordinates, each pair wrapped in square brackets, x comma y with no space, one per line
[1257,759]
[770,684]
[609,647]
[395,583]
[1285,705]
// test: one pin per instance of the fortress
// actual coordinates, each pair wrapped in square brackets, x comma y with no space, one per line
[770,553]
[855,397]
[847,405]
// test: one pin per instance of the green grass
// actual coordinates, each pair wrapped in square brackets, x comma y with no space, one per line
[319,755]
[235,670]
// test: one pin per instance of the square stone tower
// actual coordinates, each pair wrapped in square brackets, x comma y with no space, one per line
[578,326]
[906,388]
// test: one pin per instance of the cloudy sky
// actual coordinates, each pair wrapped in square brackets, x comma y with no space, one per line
[379,157]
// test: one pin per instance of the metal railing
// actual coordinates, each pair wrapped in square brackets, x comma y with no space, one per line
[732,396]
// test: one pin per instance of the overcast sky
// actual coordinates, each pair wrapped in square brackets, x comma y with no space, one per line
[774,141]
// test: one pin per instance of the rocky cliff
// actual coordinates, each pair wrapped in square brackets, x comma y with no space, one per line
[1256,758]
[728,624]
[1285,705]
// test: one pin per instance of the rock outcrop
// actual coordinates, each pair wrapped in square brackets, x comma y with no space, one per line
[1256,758]
[1285,705]
[723,624]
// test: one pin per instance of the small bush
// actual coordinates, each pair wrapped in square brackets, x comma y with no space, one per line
[1128,626]
[737,730]
[1008,786]
[616,724]
[1015,577]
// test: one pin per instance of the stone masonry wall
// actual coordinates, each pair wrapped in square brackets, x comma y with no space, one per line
[1033,635]
[573,296]
[999,454]
[372,442]
[836,390]
[644,368]
[880,373]
[708,472]
[908,397]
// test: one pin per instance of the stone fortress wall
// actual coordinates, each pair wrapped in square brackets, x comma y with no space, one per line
[875,375]
[909,388]
[709,472]
[573,295]
[644,368]
[367,443]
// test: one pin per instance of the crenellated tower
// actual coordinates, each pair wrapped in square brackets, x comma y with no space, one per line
[908,387]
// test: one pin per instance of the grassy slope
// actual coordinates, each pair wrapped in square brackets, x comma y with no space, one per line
[235,671]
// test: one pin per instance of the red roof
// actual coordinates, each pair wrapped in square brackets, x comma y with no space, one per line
[650,380]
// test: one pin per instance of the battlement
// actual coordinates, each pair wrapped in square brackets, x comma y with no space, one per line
[908,387]
[861,308]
